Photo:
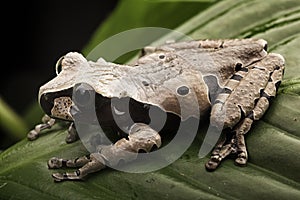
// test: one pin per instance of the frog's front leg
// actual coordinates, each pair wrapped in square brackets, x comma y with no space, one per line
[141,137]
[72,135]
[246,98]
[48,123]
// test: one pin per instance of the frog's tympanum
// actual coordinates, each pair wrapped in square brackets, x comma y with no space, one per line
[232,81]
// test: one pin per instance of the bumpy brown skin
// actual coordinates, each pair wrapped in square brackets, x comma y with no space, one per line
[235,78]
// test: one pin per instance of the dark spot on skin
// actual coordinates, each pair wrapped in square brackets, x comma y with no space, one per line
[244,69]
[263,94]
[213,87]
[270,79]
[218,101]
[145,83]
[161,56]
[183,90]
[221,46]
[251,115]
[229,134]
[77,172]
[64,163]
[226,91]
[255,101]
[65,175]
[236,77]
[238,66]
[242,112]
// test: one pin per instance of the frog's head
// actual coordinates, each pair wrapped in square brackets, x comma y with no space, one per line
[82,86]
[61,96]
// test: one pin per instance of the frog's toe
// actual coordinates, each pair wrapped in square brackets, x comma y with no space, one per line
[32,135]
[58,177]
[54,163]
[241,160]
[212,164]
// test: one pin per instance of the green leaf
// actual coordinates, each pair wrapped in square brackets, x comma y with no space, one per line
[145,13]
[273,142]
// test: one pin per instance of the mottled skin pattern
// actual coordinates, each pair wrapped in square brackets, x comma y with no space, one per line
[234,80]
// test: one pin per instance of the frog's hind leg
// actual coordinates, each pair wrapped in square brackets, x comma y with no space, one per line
[242,103]
[141,137]
[261,106]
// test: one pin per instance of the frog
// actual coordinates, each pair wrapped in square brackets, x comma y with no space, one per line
[232,80]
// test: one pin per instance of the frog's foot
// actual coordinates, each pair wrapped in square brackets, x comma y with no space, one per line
[88,164]
[241,150]
[56,163]
[48,122]
[236,146]
[141,137]
[58,177]
[221,151]
[241,159]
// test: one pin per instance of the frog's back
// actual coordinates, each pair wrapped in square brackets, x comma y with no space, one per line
[182,76]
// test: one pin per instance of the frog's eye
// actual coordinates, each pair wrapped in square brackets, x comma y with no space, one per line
[58,66]
[83,94]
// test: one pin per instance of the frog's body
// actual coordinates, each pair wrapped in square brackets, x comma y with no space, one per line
[232,79]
